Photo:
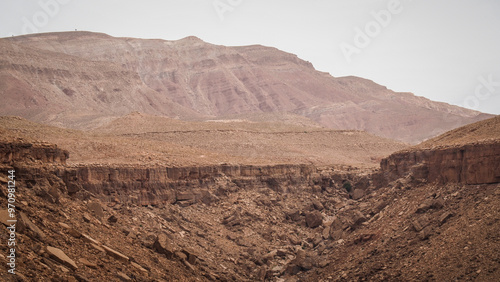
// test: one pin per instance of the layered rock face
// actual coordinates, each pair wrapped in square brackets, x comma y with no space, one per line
[189,185]
[469,164]
[14,152]
[80,79]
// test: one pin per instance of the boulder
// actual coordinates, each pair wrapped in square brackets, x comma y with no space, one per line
[96,209]
[420,223]
[164,246]
[314,219]
[358,194]
[317,205]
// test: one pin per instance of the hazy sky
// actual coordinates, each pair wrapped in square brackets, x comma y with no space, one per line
[445,50]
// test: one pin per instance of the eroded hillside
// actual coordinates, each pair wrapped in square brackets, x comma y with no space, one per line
[83,79]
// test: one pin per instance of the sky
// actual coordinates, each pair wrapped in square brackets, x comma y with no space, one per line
[444,50]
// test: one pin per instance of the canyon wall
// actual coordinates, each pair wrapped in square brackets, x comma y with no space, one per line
[477,163]
[187,185]
[12,152]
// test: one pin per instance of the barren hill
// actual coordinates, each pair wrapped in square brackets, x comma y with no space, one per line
[103,76]
[483,131]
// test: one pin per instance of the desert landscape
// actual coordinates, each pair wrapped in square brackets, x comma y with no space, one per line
[154,160]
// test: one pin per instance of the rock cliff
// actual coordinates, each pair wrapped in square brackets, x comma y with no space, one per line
[468,164]
[468,155]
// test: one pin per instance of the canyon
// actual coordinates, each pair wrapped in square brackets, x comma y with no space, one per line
[155,160]
[242,222]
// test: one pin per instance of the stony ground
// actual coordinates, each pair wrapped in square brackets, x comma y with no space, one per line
[402,232]
[335,225]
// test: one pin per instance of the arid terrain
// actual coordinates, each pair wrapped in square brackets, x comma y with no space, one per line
[81,80]
[187,161]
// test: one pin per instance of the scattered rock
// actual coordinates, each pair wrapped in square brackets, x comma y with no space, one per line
[140,268]
[293,215]
[425,233]
[59,256]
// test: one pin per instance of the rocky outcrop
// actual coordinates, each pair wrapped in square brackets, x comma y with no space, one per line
[477,163]
[183,185]
[13,152]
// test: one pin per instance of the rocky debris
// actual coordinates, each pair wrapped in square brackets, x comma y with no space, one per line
[317,205]
[303,261]
[112,219]
[61,257]
[430,204]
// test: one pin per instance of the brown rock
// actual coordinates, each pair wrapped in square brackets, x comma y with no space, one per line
[314,219]
[97,247]
[293,215]
[181,255]
[112,219]
[123,276]
[87,263]
[191,257]
[115,254]
[425,233]
[420,223]
[4,217]
[163,245]
[96,209]
[59,256]
[317,205]
[89,239]
[31,226]
[358,194]
[140,268]
[444,217]
[326,233]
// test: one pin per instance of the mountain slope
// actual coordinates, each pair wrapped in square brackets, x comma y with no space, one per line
[216,81]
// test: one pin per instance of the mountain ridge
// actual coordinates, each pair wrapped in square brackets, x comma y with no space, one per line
[211,81]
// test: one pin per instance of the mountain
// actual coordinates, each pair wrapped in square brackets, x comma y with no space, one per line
[80,79]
